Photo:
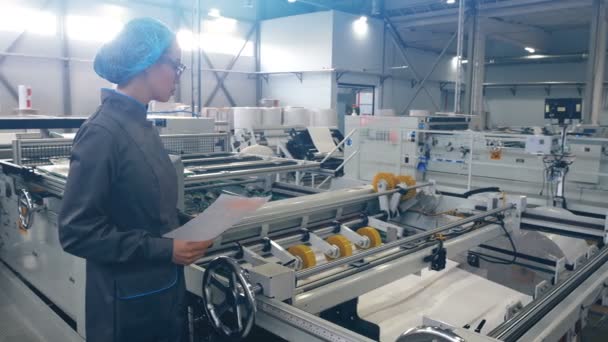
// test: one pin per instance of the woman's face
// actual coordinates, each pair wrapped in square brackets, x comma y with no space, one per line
[163,76]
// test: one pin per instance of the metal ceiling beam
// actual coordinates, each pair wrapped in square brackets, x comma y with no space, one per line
[521,9]
[221,79]
[421,84]
[220,84]
[517,34]
[500,9]
[11,47]
[401,47]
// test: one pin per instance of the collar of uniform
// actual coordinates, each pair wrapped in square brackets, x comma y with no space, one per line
[128,104]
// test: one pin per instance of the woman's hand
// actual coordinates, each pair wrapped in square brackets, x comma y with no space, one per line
[187,252]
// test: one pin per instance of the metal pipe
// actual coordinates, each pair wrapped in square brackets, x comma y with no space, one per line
[224,160]
[241,164]
[324,181]
[513,329]
[338,146]
[600,61]
[470,171]
[250,172]
[296,238]
[199,61]
[347,260]
[286,209]
[347,160]
[212,186]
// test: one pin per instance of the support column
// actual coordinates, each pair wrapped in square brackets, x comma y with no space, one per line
[459,47]
[199,81]
[177,22]
[65,64]
[466,106]
[259,11]
[478,74]
[599,63]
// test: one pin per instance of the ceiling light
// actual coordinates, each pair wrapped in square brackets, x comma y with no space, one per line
[214,12]
[530,50]
[291,1]
[451,1]
[536,56]
[360,26]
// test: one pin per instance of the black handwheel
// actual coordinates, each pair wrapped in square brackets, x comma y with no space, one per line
[228,299]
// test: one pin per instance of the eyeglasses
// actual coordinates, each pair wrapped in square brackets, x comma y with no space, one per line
[177,66]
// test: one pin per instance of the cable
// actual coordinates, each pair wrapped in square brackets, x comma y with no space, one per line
[495,260]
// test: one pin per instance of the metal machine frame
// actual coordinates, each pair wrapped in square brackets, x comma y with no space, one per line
[286,297]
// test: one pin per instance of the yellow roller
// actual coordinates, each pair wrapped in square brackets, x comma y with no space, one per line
[409,181]
[372,234]
[384,177]
[344,244]
[305,253]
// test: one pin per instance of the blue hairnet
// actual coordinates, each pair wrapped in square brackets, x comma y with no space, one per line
[138,46]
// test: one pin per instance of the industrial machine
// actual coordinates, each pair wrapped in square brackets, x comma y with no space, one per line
[558,166]
[167,124]
[395,259]
[32,184]
[372,275]
[302,146]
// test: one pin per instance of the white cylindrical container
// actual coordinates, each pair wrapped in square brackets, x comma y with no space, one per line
[296,116]
[247,117]
[324,118]
[269,103]
[25,97]
[385,112]
[272,116]
[419,112]
[258,150]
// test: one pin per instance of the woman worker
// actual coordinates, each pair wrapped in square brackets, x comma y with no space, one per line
[121,196]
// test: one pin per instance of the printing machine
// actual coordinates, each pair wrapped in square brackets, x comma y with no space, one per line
[274,271]
[392,260]
[301,146]
[518,162]
[32,183]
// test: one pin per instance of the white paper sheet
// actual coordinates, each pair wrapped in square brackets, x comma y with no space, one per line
[453,296]
[220,216]
[322,139]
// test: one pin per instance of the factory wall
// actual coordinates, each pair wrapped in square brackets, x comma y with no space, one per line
[399,90]
[36,61]
[326,40]
[298,43]
[526,106]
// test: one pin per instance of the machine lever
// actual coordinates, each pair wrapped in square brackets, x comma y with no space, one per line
[438,258]
[480,326]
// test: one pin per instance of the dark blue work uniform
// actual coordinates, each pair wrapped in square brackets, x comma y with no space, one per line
[120,198]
